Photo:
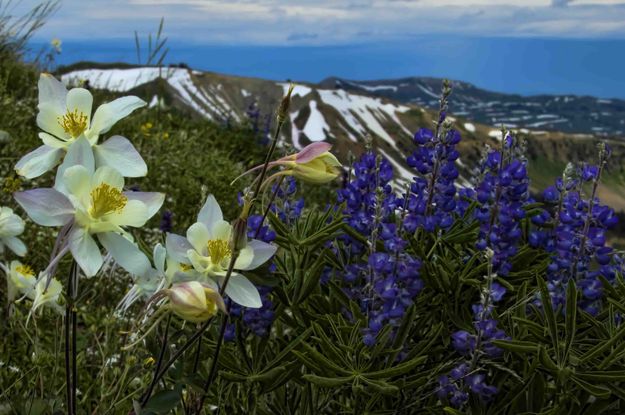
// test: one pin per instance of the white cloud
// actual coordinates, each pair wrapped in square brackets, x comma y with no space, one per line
[331,21]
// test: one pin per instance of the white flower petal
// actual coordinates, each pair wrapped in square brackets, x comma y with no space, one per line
[109,176]
[220,230]
[39,161]
[210,212]
[199,262]
[118,153]
[52,141]
[198,235]
[262,252]
[159,255]
[81,100]
[243,292]
[15,244]
[125,253]
[78,153]
[46,207]
[108,114]
[48,120]
[85,251]
[51,91]
[177,247]
[10,223]
[134,214]
[152,200]
[77,182]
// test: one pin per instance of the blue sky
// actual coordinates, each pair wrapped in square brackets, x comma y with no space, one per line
[522,46]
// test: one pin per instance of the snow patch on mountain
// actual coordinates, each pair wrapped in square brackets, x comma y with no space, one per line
[316,128]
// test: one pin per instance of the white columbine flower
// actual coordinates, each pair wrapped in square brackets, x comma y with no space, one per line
[65,117]
[47,294]
[95,204]
[11,226]
[20,280]
[207,249]
[149,280]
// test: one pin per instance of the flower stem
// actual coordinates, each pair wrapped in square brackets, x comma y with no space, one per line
[71,375]
[159,362]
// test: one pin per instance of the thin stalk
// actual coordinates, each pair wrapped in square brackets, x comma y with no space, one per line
[74,333]
[263,172]
[213,370]
[68,365]
[159,362]
[268,208]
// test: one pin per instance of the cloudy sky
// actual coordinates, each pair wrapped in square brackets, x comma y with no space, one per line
[324,22]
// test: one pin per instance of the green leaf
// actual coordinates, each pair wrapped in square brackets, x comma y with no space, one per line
[599,391]
[268,375]
[380,386]
[516,346]
[603,376]
[326,382]
[603,346]
[547,362]
[163,401]
[398,370]
[550,316]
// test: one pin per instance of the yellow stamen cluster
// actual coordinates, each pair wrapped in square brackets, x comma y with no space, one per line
[25,270]
[106,199]
[186,267]
[74,123]
[218,250]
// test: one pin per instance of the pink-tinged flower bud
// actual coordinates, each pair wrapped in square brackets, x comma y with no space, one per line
[194,302]
[314,164]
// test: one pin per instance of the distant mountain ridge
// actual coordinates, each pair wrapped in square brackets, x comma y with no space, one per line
[351,114]
[566,113]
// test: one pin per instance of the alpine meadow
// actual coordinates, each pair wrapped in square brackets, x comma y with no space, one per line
[180,241]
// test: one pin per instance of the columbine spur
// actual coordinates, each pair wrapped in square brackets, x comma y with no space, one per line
[65,118]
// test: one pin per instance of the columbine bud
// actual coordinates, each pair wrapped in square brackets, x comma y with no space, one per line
[313,164]
[283,109]
[238,237]
[194,302]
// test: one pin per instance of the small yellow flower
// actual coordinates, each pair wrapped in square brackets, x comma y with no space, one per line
[146,129]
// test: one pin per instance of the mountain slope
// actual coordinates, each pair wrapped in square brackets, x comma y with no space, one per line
[349,118]
[567,113]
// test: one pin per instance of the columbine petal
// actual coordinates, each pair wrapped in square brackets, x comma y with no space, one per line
[198,235]
[51,91]
[109,176]
[311,151]
[199,262]
[78,153]
[15,244]
[243,292]
[46,207]
[85,251]
[48,120]
[261,253]
[52,141]
[159,255]
[152,200]
[39,161]
[177,247]
[118,153]
[125,253]
[134,214]
[108,114]
[220,230]
[210,212]
[81,100]
[77,182]
[10,223]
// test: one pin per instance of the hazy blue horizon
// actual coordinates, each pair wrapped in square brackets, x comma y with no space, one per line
[525,66]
